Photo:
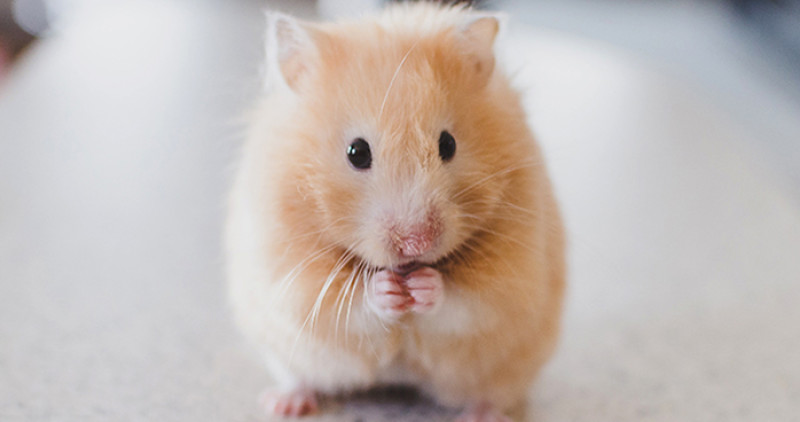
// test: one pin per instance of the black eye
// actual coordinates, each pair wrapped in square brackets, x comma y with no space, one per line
[447,146]
[359,155]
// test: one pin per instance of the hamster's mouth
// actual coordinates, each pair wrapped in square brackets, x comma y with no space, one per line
[408,267]
[404,267]
[411,266]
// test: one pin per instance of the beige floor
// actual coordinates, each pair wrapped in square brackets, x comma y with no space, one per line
[116,140]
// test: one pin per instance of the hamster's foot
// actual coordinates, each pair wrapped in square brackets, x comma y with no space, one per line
[388,296]
[482,413]
[426,288]
[294,403]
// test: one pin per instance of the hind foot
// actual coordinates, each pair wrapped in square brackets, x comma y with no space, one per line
[294,403]
[483,413]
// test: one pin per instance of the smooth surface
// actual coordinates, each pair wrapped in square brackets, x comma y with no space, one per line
[706,44]
[116,141]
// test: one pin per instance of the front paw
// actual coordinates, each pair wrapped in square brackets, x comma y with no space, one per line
[388,296]
[426,289]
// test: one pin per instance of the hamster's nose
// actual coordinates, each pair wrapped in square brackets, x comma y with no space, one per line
[415,241]
[414,245]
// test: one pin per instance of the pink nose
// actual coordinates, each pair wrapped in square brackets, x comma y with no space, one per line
[415,245]
[416,240]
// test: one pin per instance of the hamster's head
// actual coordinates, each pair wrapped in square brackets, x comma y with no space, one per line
[400,146]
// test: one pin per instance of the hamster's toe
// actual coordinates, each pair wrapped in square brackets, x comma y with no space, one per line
[387,295]
[299,402]
[483,413]
[426,288]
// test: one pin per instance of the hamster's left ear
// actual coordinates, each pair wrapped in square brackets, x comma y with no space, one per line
[292,52]
[477,41]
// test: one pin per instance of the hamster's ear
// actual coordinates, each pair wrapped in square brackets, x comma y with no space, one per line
[477,38]
[291,51]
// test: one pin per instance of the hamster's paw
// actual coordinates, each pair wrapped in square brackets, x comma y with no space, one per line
[388,296]
[482,413]
[299,402]
[426,288]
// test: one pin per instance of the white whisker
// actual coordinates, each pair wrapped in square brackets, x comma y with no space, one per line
[493,175]
[394,76]
[313,313]
[502,236]
[289,279]
[341,298]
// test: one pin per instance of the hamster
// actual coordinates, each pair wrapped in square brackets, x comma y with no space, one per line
[392,220]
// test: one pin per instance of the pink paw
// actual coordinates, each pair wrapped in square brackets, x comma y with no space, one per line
[388,295]
[299,402]
[392,295]
[426,289]
[483,413]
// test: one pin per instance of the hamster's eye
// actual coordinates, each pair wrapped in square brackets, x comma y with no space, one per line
[447,146]
[359,155]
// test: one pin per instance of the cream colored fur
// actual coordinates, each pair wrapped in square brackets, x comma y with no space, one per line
[306,231]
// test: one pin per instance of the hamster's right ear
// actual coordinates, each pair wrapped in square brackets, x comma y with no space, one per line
[292,52]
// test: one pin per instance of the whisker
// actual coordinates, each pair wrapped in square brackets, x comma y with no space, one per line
[359,272]
[507,204]
[370,272]
[341,299]
[295,272]
[312,314]
[394,76]
[495,174]
[332,276]
[502,236]
[320,231]
[493,216]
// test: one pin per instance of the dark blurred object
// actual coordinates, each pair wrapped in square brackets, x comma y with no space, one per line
[472,3]
[778,21]
[12,38]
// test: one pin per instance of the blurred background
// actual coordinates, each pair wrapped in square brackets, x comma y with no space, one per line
[745,54]
[671,129]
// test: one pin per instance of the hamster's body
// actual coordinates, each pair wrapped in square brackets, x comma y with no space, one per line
[435,264]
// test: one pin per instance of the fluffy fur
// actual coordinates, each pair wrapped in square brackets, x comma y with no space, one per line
[307,233]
